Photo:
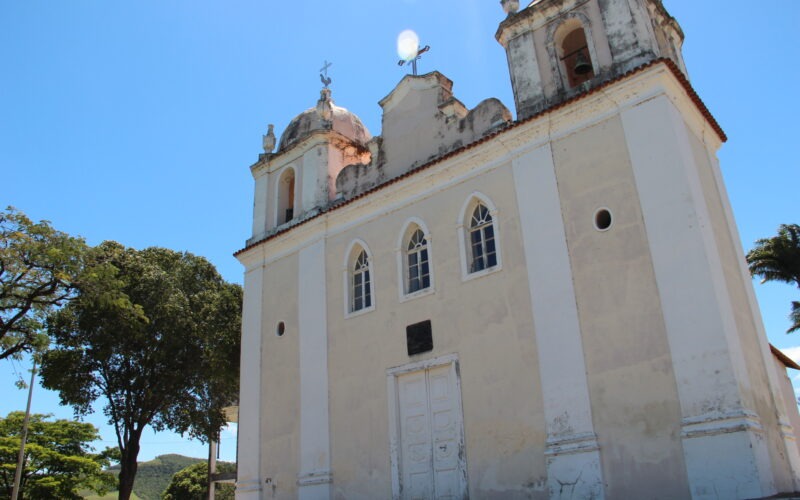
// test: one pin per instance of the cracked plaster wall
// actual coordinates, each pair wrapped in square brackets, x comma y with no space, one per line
[492,334]
[421,121]
[634,400]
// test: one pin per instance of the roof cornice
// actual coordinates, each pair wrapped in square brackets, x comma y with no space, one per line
[673,68]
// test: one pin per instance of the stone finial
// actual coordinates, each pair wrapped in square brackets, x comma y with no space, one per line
[510,6]
[268,140]
[325,105]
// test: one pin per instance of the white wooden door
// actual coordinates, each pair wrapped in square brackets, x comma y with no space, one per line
[431,435]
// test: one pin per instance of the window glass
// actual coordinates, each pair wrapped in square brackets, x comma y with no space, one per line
[418,268]
[361,294]
[481,239]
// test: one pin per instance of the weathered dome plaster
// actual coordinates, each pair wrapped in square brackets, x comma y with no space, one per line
[309,121]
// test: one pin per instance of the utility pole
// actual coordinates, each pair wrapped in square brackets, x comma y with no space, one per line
[212,468]
[21,457]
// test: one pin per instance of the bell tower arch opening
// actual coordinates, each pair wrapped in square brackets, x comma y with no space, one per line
[286,186]
[574,57]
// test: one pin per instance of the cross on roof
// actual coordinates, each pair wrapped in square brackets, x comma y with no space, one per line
[414,60]
[324,74]
[325,67]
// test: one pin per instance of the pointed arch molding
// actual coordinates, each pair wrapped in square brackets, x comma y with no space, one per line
[552,51]
[412,223]
[462,225]
[350,256]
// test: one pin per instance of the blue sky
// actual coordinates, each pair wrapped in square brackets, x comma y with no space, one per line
[137,121]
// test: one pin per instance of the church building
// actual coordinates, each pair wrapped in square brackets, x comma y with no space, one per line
[474,306]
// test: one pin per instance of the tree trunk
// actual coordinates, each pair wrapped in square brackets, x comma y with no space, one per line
[128,466]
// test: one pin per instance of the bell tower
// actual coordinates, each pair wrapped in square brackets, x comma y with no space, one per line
[603,86]
[559,48]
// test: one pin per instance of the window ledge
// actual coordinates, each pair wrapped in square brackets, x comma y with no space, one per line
[481,273]
[419,293]
[353,314]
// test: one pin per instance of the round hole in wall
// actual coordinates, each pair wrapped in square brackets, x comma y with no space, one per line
[602,219]
[280,329]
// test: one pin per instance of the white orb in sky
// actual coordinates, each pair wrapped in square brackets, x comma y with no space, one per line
[407,45]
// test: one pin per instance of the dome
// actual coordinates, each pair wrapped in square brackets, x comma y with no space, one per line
[310,120]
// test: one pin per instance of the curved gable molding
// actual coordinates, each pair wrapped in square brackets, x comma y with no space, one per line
[349,255]
[469,204]
[406,231]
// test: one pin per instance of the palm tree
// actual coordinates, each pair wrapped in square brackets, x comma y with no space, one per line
[778,259]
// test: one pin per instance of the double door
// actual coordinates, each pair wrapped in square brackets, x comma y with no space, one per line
[432,459]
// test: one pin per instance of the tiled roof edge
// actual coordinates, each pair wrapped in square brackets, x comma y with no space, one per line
[667,62]
[786,360]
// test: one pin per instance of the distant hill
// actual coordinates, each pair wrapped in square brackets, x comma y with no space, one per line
[110,496]
[153,477]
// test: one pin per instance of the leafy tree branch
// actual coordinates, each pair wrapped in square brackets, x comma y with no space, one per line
[153,332]
[778,259]
[38,267]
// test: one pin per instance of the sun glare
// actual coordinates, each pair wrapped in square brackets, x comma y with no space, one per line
[407,45]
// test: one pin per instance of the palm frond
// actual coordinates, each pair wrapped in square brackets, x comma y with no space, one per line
[777,258]
[794,316]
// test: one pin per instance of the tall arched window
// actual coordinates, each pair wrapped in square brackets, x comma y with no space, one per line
[418,276]
[360,283]
[574,54]
[483,251]
[285,207]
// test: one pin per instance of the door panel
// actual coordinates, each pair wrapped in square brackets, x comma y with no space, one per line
[446,431]
[416,436]
[432,459]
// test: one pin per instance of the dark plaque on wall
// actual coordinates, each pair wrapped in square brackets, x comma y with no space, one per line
[419,337]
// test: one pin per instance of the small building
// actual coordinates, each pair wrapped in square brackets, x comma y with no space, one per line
[470,305]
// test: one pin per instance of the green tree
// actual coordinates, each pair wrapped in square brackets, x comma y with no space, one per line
[58,458]
[778,259]
[37,268]
[191,483]
[155,333]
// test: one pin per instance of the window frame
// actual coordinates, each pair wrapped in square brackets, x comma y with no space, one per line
[354,252]
[465,236]
[481,224]
[411,226]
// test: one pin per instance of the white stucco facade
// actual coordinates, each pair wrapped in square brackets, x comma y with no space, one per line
[471,306]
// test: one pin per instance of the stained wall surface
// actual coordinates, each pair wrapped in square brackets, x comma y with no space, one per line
[486,321]
[637,398]
[631,382]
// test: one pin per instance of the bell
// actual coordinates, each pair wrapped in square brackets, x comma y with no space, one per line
[582,65]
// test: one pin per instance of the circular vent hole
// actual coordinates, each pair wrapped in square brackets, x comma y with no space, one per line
[602,219]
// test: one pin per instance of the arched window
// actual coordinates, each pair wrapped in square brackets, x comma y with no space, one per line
[418,276]
[482,251]
[285,207]
[574,54]
[360,283]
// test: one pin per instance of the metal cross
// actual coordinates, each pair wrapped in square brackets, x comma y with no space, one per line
[324,74]
[416,58]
